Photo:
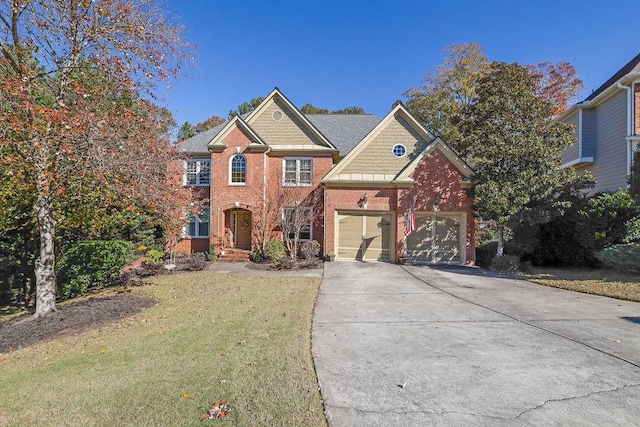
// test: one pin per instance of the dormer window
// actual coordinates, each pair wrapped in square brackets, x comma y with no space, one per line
[238,170]
[197,172]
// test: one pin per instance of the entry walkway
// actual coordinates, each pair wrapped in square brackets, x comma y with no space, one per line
[416,346]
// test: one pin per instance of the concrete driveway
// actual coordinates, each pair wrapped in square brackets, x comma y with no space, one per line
[417,346]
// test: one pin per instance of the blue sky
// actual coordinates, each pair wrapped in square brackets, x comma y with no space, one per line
[335,54]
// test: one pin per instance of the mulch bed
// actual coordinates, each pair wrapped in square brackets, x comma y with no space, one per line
[71,318]
[301,264]
[88,313]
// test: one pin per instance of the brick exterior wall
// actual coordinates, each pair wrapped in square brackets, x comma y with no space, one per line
[436,174]
[259,182]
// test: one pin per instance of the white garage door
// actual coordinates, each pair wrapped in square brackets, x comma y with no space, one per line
[437,239]
[364,236]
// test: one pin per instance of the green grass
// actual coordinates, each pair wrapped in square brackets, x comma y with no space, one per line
[605,282]
[211,337]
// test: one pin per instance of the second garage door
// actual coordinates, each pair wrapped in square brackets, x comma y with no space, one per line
[364,236]
[437,239]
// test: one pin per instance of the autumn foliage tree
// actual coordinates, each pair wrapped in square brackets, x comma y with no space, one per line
[558,83]
[515,146]
[444,99]
[76,83]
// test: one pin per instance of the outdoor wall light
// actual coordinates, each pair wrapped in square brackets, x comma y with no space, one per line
[364,201]
[236,204]
[436,202]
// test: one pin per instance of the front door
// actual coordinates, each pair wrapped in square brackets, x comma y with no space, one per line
[241,229]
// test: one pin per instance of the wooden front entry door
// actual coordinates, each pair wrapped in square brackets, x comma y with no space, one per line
[242,229]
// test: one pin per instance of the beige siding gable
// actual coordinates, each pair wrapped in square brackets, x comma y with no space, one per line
[378,157]
[278,125]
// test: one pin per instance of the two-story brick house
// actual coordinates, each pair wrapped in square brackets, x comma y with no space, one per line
[607,126]
[357,176]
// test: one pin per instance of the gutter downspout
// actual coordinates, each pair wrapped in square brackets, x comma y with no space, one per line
[324,219]
[264,197]
[629,124]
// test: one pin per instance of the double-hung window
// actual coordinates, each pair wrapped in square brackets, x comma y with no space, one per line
[299,219]
[197,172]
[297,172]
[199,225]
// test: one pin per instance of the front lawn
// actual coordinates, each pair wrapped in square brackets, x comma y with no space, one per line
[210,337]
[603,282]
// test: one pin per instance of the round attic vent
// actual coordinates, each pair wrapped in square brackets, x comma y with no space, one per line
[277,115]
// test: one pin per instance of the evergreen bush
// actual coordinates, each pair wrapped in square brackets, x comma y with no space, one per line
[505,264]
[90,264]
[309,250]
[153,256]
[624,257]
[256,255]
[274,251]
[485,254]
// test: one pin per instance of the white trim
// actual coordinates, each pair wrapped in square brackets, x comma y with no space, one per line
[201,219]
[580,133]
[297,183]
[576,162]
[246,170]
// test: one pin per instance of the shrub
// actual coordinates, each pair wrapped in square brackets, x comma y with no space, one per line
[153,256]
[622,257]
[90,264]
[505,264]
[526,266]
[274,251]
[310,249]
[285,263]
[256,255]
[212,254]
[485,254]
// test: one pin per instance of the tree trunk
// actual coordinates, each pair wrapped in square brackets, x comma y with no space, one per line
[45,263]
[500,228]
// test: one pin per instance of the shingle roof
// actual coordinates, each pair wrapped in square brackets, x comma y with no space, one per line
[198,143]
[343,130]
[617,76]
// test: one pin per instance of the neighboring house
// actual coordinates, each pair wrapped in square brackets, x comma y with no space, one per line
[608,129]
[355,177]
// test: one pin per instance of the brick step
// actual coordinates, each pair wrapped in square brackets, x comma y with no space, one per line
[234,255]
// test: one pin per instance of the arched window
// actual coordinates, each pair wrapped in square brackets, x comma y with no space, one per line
[238,169]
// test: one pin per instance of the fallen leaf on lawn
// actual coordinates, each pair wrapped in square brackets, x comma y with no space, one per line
[218,410]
